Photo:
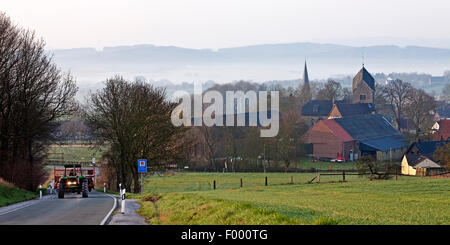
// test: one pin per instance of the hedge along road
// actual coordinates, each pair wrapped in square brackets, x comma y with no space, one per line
[72,210]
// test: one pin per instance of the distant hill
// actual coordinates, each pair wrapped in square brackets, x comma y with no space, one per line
[256,63]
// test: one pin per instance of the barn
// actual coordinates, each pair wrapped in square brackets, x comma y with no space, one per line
[351,137]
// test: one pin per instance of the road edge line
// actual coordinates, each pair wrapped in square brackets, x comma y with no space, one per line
[31,203]
[108,216]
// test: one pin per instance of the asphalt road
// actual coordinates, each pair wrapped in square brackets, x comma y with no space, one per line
[72,210]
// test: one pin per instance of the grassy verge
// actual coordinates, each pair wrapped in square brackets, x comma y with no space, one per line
[203,211]
[10,194]
[190,199]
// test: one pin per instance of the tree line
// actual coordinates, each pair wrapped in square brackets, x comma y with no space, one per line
[34,95]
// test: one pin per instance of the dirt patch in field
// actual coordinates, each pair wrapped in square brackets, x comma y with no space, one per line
[152,199]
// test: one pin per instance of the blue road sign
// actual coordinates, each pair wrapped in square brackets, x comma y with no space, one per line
[142,166]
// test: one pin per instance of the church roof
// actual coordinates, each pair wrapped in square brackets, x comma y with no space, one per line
[318,107]
[355,109]
[364,75]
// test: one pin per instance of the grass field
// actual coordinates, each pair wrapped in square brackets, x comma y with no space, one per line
[10,194]
[80,153]
[190,199]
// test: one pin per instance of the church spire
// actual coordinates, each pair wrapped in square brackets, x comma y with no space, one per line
[305,89]
[306,79]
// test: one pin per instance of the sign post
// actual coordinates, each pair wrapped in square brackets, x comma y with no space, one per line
[142,168]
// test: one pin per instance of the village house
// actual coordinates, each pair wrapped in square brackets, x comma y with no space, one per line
[419,158]
[441,130]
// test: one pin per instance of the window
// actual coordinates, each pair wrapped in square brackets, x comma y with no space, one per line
[315,108]
[362,97]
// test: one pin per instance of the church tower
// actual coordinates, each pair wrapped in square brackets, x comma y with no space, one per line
[363,87]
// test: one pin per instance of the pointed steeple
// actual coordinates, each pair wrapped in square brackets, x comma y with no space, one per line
[305,89]
[306,86]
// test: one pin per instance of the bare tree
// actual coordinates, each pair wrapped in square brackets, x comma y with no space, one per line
[420,109]
[134,118]
[398,93]
[35,94]
[331,90]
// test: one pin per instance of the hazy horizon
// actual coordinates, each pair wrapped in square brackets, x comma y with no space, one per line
[208,24]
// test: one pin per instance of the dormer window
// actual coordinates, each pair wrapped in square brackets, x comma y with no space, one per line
[362,97]
[315,108]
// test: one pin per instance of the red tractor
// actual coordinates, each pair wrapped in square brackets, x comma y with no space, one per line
[74,178]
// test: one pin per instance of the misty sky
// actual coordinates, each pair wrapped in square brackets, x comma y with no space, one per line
[229,23]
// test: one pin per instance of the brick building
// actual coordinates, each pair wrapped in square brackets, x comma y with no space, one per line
[352,137]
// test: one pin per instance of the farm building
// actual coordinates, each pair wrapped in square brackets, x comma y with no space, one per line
[351,137]
[419,158]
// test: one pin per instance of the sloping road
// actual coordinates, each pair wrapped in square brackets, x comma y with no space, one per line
[72,210]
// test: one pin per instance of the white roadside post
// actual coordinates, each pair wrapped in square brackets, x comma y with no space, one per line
[104,187]
[122,196]
[40,191]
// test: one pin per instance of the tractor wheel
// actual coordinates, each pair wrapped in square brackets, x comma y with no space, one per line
[84,189]
[61,190]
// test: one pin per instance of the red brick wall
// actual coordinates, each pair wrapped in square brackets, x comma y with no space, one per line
[325,144]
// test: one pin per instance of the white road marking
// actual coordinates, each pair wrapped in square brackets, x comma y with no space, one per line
[111,211]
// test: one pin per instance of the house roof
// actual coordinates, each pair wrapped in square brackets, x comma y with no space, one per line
[364,75]
[414,160]
[369,127]
[427,148]
[338,131]
[317,108]
[355,109]
[444,130]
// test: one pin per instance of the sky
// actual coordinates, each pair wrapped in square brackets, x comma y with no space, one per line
[229,23]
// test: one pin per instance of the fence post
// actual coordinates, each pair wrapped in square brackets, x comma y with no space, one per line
[266,180]
[318,177]
[214,184]
[396,175]
[241,182]
[343,175]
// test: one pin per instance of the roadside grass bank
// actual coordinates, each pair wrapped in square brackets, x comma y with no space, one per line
[190,199]
[184,209]
[10,194]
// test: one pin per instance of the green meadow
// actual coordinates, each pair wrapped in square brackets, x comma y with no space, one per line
[189,198]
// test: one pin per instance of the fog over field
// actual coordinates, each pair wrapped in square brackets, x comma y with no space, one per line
[167,65]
